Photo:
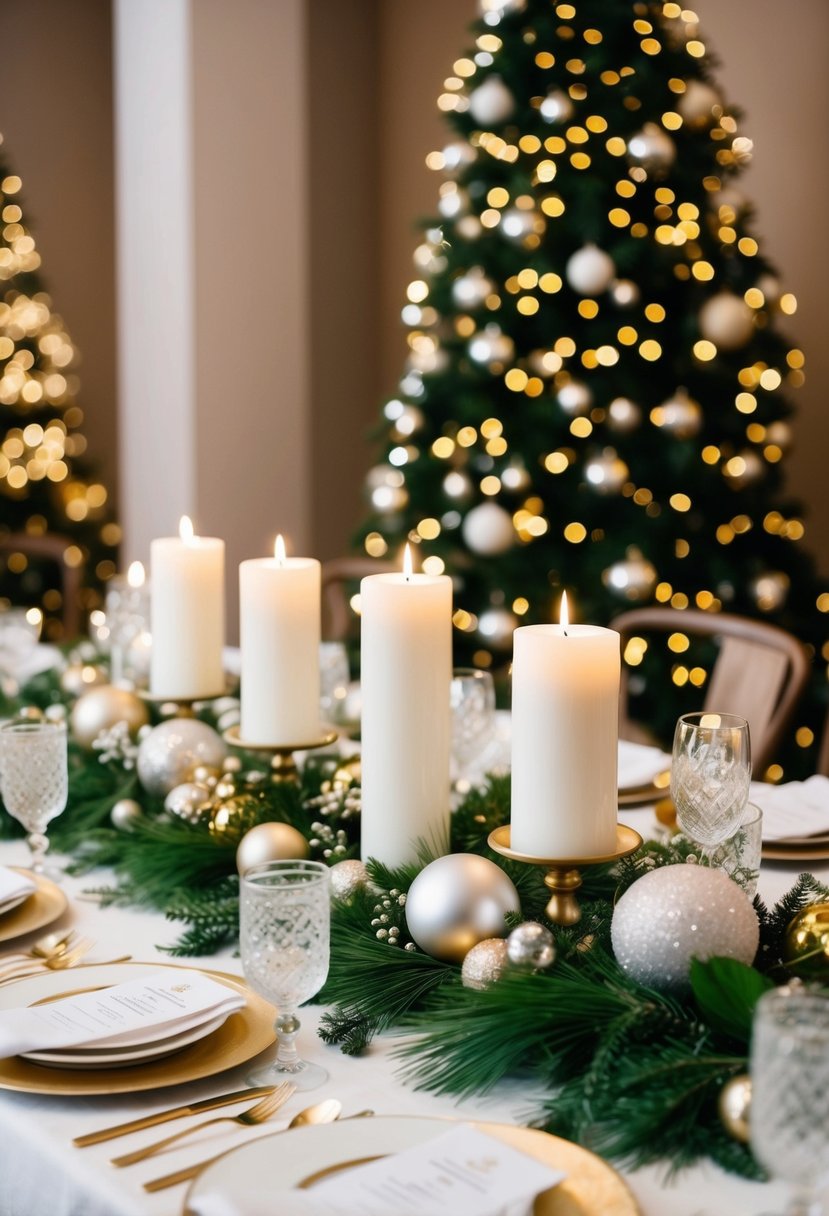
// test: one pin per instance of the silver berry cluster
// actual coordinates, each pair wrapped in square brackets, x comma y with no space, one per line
[387,912]
[332,843]
[116,744]
[336,800]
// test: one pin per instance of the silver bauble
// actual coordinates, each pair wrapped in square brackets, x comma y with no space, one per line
[170,752]
[55,713]
[472,289]
[770,590]
[408,421]
[387,489]
[270,842]
[491,103]
[516,477]
[80,677]
[575,398]
[677,913]
[496,627]
[517,223]
[101,708]
[458,156]
[484,964]
[624,293]
[493,10]
[469,227]
[556,107]
[189,801]
[632,579]
[453,203]
[726,320]
[590,271]
[606,472]
[124,814]
[531,945]
[771,288]
[779,433]
[487,530]
[30,713]
[696,105]
[491,345]
[680,415]
[458,901]
[457,485]
[347,878]
[748,473]
[652,148]
[623,415]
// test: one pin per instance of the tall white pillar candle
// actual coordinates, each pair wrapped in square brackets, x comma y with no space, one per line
[565,715]
[187,614]
[279,601]
[406,671]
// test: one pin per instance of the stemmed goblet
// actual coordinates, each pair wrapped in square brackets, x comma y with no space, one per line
[34,779]
[472,702]
[284,931]
[710,776]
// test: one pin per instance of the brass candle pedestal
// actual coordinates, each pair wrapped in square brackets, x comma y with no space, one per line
[283,764]
[184,707]
[563,877]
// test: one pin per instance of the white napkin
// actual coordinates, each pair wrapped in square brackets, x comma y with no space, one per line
[638,764]
[462,1172]
[13,885]
[138,1011]
[798,808]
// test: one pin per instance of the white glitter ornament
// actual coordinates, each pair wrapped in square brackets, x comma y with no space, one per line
[484,964]
[456,902]
[487,530]
[531,945]
[590,271]
[347,878]
[726,320]
[677,913]
[170,752]
[492,102]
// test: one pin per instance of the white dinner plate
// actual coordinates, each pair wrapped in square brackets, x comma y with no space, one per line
[116,1057]
[298,1158]
[14,902]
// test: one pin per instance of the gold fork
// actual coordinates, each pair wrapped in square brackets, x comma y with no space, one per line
[258,1113]
[56,962]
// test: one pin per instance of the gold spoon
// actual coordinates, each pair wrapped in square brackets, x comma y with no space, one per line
[327,1111]
[44,947]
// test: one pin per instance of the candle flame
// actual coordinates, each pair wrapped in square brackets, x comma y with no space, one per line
[185,528]
[563,614]
[135,575]
[407,562]
[279,549]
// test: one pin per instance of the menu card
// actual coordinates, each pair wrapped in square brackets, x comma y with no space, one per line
[798,808]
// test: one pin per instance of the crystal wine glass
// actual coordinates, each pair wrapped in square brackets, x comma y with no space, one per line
[472,701]
[284,938]
[35,780]
[710,775]
[790,1092]
[19,634]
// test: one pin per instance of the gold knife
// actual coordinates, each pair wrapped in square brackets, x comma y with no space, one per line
[178,1112]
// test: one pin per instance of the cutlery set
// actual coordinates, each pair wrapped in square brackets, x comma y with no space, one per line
[54,952]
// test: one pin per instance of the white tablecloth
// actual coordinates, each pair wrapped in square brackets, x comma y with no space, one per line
[42,1174]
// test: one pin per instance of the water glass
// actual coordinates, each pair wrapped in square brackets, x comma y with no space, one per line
[334,679]
[34,779]
[790,1091]
[472,702]
[739,856]
[710,775]
[284,929]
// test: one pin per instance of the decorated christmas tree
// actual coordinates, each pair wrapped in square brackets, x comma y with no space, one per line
[43,487]
[596,395]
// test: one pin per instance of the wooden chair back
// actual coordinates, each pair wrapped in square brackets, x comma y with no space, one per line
[53,548]
[339,575]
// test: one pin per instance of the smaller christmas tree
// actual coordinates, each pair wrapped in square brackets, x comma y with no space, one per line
[45,487]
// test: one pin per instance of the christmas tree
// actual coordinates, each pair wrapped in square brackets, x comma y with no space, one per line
[43,489]
[596,394]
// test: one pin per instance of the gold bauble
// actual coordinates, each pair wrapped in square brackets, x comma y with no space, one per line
[806,949]
[80,677]
[485,963]
[270,842]
[733,1104]
[100,708]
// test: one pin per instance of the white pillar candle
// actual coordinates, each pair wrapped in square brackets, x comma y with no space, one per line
[187,614]
[565,715]
[279,601]
[406,671]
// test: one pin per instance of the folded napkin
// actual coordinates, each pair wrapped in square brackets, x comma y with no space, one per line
[638,764]
[138,1011]
[462,1172]
[13,885]
[798,808]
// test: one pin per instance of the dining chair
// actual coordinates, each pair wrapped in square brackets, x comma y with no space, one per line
[340,579]
[52,548]
[823,754]
[760,670]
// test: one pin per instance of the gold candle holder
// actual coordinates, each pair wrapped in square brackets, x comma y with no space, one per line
[563,877]
[283,762]
[184,707]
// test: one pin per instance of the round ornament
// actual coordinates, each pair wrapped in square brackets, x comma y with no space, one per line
[623,415]
[457,485]
[189,801]
[653,149]
[31,713]
[453,203]
[492,102]
[780,433]
[493,10]
[487,529]
[491,345]
[607,472]
[556,107]
[101,707]
[806,948]
[386,488]
[485,963]
[575,398]
[471,289]
[168,754]
[531,945]
[80,677]
[633,579]
[680,415]
[726,320]
[517,224]
[750,469]
[734,1105]
[458,901]
[696,105]
[270,842]
[347,878]
[771,288]
[54,713]
[677,913]
[496,627]
[124,813]
[469,227]
[590,271]
[457,156]
[624,293]
[516,477]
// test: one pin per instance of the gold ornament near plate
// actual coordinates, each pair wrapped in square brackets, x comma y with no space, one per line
[591,1187]
[101,708]
[46,903]
[283,763]
[806,948]
[270,842]
[241,1037]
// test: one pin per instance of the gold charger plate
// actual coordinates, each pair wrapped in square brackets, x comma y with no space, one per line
[46,903]
[237,1040]
[780,852]
[307,1154]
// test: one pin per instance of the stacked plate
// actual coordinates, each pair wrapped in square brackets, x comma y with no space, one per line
[15,887]
[129,1052]
[795,819]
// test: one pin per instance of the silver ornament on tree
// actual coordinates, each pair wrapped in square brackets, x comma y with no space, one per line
[469,227]
[484,964]
[745,469]
[168,754]
[347,878]
[453,202]
[516,477]
[697,104]
[556,107]
[491,103]
[496,627]
[518,223]
[458,156]
[387,489]
[624,293]
[531,946]
[472,289]
[726,320]
[491,346]
[623,415]
[633,578]
[779,433]
[487,529]
[407,422]
[456,902]
[677,913]
[680,415]
[770,590]
[652,148]
[457,485]
[590,271]
[101,708]
[270,842]
[575,398]
[124,814]
[606,472]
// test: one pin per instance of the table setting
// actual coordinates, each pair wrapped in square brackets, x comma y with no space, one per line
[527,991]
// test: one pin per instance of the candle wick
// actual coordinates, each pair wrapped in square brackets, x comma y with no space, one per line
[564,628]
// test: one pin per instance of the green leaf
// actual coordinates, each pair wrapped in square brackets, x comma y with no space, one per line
[726,992]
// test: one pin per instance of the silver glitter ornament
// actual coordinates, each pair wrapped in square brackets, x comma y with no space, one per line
[487,529]
[347,878]
[100,708]
[170,752]
[458,901]
[484,964]
[124,814]
[457,156]
[531,945]
[677,913]
[189,801]
[270,842]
